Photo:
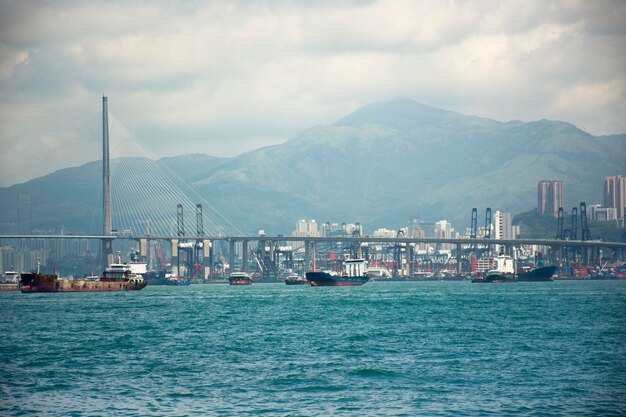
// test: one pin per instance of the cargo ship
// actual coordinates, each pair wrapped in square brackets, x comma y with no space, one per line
[117,277]
[494,277]
[544,273]
[354,273]
[502,271]
[239,278]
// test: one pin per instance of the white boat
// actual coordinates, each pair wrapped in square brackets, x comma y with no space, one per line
[239,278]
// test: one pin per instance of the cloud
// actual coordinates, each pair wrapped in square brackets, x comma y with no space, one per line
[223,78]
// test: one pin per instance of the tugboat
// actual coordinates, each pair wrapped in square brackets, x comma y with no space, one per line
[239,278]
[295,279]
[354,273]
[10,281]
[117,277]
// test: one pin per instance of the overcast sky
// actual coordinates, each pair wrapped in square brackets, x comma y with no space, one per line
[226,77]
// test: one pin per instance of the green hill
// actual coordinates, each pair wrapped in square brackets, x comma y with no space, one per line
[378,166]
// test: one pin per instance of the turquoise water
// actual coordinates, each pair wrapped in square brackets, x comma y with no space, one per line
[404,349]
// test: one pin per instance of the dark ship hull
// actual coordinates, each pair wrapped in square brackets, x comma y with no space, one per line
[34,282]
[324,279]
[545,273]
[495,278]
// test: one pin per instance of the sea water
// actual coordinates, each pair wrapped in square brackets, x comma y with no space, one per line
[397,349]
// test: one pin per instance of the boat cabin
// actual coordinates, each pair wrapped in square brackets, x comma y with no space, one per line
[503,265]
[354,267]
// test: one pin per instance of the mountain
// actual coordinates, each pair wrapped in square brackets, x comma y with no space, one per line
[378,166]
[389,161]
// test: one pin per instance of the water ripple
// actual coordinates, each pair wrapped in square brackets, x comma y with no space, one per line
[400,349]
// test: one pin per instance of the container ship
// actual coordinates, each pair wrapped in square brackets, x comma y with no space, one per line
[117,277]
[354,273]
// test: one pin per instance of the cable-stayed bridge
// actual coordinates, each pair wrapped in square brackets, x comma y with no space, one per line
[145,191]
[143,199]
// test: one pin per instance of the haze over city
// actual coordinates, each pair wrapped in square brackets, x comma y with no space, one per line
[222,80]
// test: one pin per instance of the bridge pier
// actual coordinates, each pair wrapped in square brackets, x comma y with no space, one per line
[410,255]
[106,252]
[174,259]
[231,255]
[244,256]
[206,258]
[459,252]
[143,249]
[309,255]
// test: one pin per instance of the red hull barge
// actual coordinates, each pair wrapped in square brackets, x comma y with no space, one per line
[34,282]
[117,277]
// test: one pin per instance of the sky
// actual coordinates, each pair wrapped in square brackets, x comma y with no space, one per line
[223,78]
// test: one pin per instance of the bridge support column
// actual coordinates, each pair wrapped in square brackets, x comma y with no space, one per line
[106,252]
[555,252]
[174,260]
[313,254]
[584,255]
[206,258]
[459,252]
[231,256]
[410,255]
[143,249]
[244,256]
[309,256]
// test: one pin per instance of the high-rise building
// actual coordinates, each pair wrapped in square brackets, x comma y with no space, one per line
[615,193]
[444,230]
[304,228]
[502,225]
[549,197]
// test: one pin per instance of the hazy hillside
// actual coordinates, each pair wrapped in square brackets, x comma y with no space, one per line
[378,166]
[386,162]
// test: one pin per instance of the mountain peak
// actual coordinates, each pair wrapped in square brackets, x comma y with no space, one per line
[400,113]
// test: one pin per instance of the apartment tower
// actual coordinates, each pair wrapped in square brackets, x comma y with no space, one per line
[615,193]
[549,197]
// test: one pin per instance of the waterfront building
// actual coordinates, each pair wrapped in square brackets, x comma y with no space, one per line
[304,228]
[503,229]
[502,225]
[444,230]
[615,193]
[601,214]
[549,197]
[385,233]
